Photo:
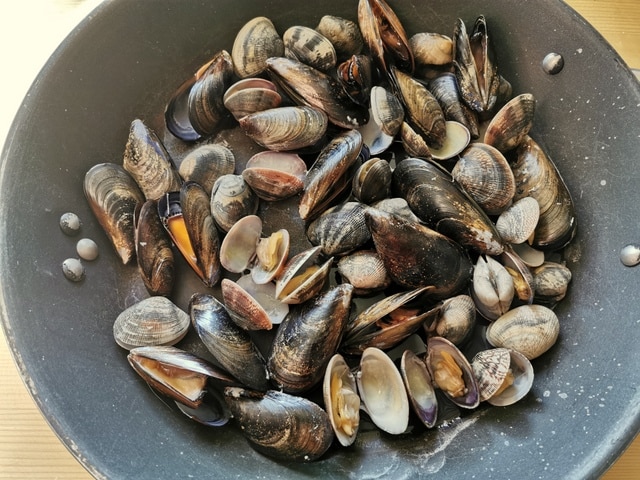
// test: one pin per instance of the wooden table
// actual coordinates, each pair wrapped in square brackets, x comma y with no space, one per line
[28,447]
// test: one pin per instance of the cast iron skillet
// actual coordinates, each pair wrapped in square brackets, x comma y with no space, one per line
[125,60]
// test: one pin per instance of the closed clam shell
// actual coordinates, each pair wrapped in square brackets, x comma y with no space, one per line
[511,124]
[431,49]
[420,389]
[230,345]
[484,173]
[309,46]
[517,223]
[493,288]
[285,128]
[148,162]
[275,175]
[372,181]
[456,319]
[495,366]
[113,195]
[341,400]
[343,34]
[550,282]
[382,391]
[279,425]
[529,329]
[303,276]
[364,269]
[340,229]
[232,199]
[206,163]
[251,95]
[152,321]
[256,41]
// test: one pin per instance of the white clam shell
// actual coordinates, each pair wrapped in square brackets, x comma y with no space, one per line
[493,288]
[341,400]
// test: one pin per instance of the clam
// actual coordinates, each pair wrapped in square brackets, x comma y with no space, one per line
[343,34]
[387,322]
[520,272]
[456,140]
[384,35]
[356,78]
[202,231]
[372,181]
[529,329]
[550,282]
[416,256]
[517,223]
[113,195]
[456,319]
[308,338]
[279,425]
[452,373]
[331,172]
[511,124]
[504,376]
[176,373]
[244,248]
[340,229]
[251,305]
[493,288]
[148,162]
[309,46]
[153,250]
[420,389]
[303,276]
[341,400]
[537,176]
[422,109]
[484,173]
[438,201]
[445,89]
[285,128]
[150,322]
[385,121]
[382,391]
[205,164]
[364,269]
[232,199]
[255,42]
[275,175]
[430,49]
[309,86]
[251,95]
[475,66]
[231,346]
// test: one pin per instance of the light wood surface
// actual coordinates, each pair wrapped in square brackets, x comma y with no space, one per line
[28,447]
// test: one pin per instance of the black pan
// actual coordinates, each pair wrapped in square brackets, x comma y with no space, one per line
[125,60]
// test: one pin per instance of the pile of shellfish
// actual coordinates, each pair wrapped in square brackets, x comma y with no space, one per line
[416,265]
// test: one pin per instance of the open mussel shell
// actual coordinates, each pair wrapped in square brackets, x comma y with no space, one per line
[310,47]
[205,164]
[343,34]
[113,195]
[307,338]
[445,89]
[153,250]
[504,376]
[340,229]
[382,391]
[231,200]
[529,329]
[452,372]
[493,288]
[275,175]
[255,42]
[176,373]
[303,277]
[231,346]
[365,270]
[341,400]
[280,425]
[152,321]
[420,389]
[356,77]
[212,411]
[251,95]
[148,162]
[251,305]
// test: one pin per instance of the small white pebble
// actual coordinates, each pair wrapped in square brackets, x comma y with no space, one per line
[87,249]
[70,223]
[630,255]
[73,269]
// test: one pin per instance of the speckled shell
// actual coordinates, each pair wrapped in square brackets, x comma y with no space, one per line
[491,367]
[509,127]
[232,199]
[484,173]
[206,163]
[256,41]
[529,329]
[152,321]
[550,282]
[413,143]
[113,195]
[146,159]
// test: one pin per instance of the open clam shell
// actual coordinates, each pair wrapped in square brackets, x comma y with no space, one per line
[504,375]
[253,306]
[420,389]
[341,400]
